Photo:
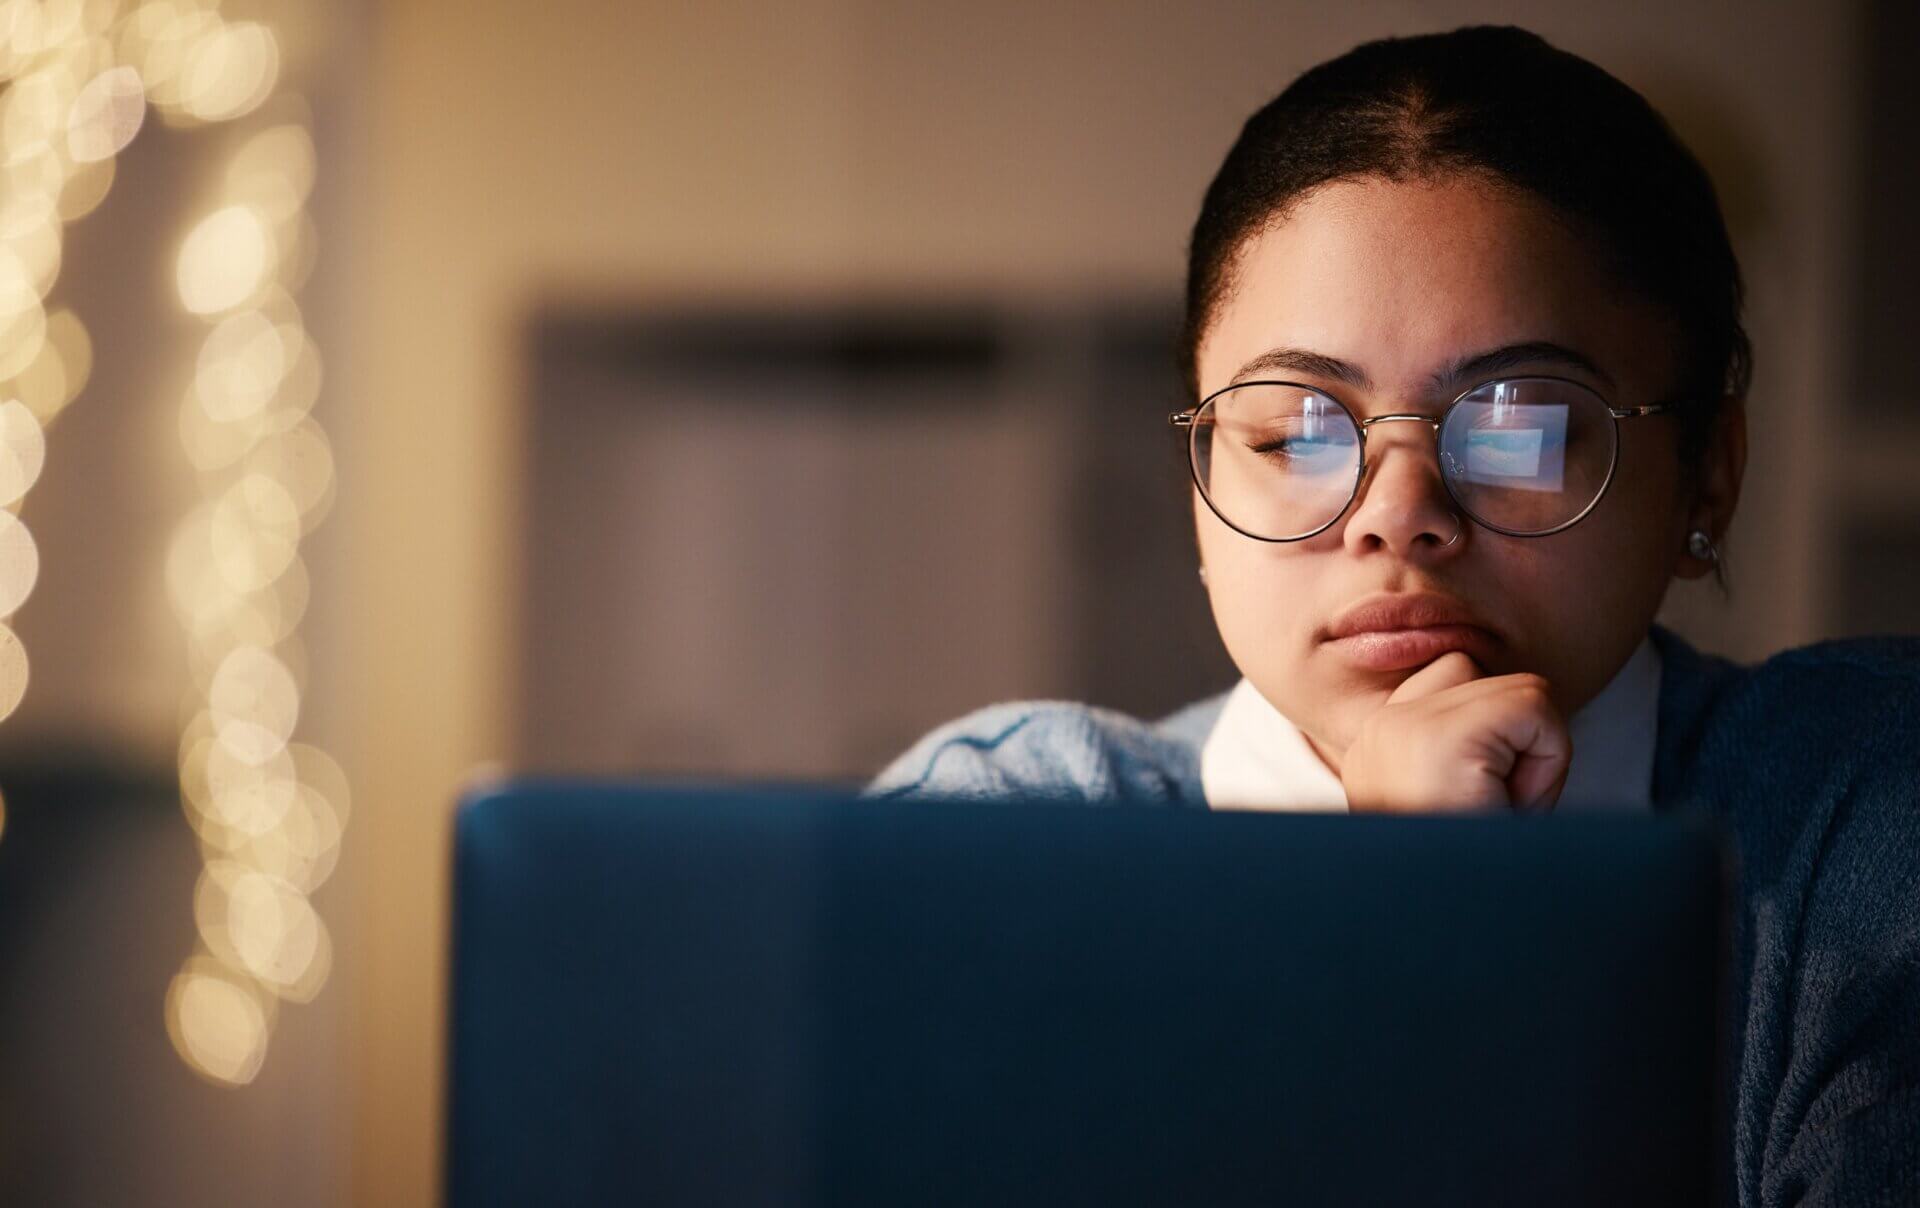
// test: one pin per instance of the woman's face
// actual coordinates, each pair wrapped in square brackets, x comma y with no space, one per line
[1400,281]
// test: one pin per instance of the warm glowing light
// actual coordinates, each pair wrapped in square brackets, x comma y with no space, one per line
[39,176]
[196,795]
[193,580]
[301,388]
[38,250]
[42,385]
[254,703]
[164,37]
[274,171]
[35,107]
[300,252]
[64,21]
[217,1023]
[225,260]
[23,450]
[212,445]
[301,460]
[13,671]
[106,115]
[24,212]
[19,291]
[86,189]
[267,811]
[230,70]
[303,849]
[22,335]
[19,563]
[256,532]
[251,798]
[241,365]
[60,371]
[273,930]
[259,922]
[288,599]
[221,620]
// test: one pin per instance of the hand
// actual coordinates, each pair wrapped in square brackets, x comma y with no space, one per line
[1450,740]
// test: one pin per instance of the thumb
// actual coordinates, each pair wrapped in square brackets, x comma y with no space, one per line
[1451,669]
[1538,780]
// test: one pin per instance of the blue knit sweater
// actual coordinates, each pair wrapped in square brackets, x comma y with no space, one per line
[1812,762]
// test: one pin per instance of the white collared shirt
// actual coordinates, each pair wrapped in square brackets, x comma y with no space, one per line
[1256,759]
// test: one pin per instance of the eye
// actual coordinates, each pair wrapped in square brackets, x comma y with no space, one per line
[1302,451]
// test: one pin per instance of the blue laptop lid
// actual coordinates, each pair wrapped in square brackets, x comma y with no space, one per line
[684,995]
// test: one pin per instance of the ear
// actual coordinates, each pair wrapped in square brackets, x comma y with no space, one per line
[1716,488]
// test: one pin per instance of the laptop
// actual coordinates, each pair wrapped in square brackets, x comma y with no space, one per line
[673,994]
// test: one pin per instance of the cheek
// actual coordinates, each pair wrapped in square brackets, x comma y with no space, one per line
[1238,570]
[1581,600]
[1261,594]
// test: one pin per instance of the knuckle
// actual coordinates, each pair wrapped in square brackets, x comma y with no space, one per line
[1532,690]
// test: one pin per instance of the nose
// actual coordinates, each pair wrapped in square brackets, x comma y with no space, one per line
[1403,505]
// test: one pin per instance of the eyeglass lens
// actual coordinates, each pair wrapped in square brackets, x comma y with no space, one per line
[1523,456]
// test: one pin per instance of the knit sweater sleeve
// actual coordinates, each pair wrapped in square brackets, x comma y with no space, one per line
[1047,749]
[1839,958]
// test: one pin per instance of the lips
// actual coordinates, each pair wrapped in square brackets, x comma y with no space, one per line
[1400,631]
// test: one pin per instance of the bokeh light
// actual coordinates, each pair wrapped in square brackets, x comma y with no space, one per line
[34,240]
[254,703]
[268,811]
[86,189]
[19,563]
[106,115]
[13,670]
[218,1022]
[274,170]
[255,531]
[248,791]
[23,450]
[58,374]
[300,460]
[225,260]
[242,364]
[22,334]
[162,38]
[229,71]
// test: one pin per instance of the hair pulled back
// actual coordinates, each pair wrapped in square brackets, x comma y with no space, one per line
[1502,104]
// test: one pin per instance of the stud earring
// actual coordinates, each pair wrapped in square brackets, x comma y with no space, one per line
[1701,546]
[1203,575]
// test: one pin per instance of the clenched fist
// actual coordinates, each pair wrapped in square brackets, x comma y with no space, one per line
[1450,740]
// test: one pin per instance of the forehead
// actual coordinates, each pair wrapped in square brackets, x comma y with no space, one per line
[1401,278]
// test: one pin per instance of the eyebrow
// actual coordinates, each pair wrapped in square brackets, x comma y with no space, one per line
[1299,360]
[1513,356]
[1450,376]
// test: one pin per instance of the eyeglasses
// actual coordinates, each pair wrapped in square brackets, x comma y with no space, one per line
[1525,457]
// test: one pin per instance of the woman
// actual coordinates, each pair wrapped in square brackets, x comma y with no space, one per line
[1464,339]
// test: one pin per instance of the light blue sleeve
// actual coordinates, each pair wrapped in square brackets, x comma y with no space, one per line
[1048,749]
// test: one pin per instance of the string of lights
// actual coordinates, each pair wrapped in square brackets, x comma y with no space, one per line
[81,77]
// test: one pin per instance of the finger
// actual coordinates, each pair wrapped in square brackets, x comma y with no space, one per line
[1450,670]
[1475,696]
[1536,782]
[1543,753]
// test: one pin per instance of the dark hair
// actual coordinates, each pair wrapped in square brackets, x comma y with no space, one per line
[1502,104]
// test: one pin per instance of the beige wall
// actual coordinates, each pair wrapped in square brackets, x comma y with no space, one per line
[576,148]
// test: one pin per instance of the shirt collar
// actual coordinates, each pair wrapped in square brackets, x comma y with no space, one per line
[1255,758]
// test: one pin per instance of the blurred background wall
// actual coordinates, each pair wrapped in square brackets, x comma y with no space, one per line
[621,160]
[957,231]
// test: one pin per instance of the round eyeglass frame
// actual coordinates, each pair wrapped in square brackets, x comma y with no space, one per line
[1190,420]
